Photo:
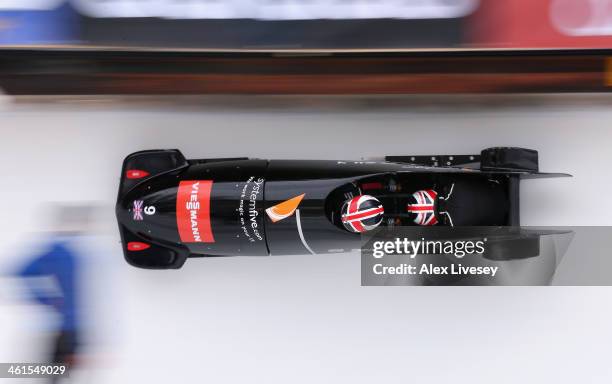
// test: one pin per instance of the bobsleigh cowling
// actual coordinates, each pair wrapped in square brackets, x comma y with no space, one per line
[170,208]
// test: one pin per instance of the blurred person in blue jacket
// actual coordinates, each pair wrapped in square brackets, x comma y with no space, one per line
[52,278]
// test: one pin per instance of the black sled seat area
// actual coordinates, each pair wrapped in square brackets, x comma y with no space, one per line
[459,199]
[472,201]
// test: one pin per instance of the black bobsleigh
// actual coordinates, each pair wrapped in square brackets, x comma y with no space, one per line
[170,208]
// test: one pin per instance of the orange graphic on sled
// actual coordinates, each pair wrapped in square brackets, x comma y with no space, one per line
[285,209]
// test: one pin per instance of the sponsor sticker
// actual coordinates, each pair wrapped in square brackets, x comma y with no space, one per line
[248,211]
[193,211]
[285,209]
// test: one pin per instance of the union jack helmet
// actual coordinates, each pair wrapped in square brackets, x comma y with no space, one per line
[422,204]
[362,213]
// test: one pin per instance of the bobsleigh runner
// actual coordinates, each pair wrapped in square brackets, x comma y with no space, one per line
[170,208]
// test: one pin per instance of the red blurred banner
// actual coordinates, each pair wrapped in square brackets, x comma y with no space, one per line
[541,24]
